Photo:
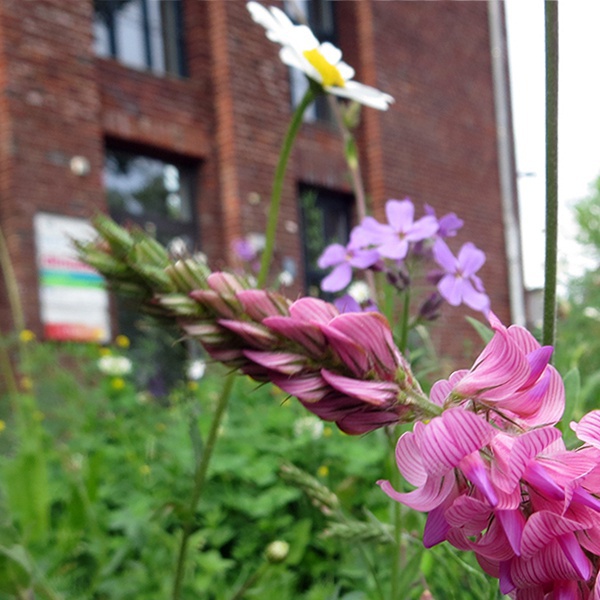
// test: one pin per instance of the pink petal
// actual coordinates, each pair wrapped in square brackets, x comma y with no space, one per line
[408,459]
[282,362]
[255,335]
[313,310]
[349,351]
[222,305]
[309,388]
[588,428]
[307,334]
[500,370]
[377,393]
[225,283]
[372,333]
[425,498]
[259,304]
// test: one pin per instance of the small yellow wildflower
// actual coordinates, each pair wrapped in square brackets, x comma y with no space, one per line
[122,341]
[26,383]
[26,336]
[2,425]
[323,471]
[104,351]
[117,383]
[327,431]
[192,386]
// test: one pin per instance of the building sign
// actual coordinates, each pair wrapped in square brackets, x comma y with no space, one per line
[74,303]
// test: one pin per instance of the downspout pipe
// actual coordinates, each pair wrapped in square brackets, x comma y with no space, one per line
[506,160]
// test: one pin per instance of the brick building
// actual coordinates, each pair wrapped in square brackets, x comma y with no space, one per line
[191,97]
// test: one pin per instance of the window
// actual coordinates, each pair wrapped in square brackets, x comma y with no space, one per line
[326,219]
[152,193]
[144,34]
[319,15]
[158,196]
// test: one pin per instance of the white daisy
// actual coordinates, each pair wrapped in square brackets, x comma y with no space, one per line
[320,62]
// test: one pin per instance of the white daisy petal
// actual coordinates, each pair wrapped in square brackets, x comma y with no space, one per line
[320,62]
[330,53]
[363,94]
[346,71]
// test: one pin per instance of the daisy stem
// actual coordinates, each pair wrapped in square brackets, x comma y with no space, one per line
[551,20]
[284,156]
[358,186]
[199,480]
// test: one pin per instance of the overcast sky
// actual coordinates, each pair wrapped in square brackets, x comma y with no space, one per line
[579,121]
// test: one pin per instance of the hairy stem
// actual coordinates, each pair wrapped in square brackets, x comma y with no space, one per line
[551,18]
[199,480]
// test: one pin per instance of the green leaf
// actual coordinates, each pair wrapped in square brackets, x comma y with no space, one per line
[15,570]
[485,333]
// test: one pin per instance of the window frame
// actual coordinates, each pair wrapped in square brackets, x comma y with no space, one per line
[171,33]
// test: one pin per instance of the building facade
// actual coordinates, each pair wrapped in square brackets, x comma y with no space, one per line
[171,115]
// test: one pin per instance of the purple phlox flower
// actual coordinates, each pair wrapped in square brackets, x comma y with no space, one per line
[244,249]
[393,240]
[343,259]
[448,225]
[460,284]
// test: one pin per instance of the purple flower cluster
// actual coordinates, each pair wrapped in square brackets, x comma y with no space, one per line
[496,478]
[387,246]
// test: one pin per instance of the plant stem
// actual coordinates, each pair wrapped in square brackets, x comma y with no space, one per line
[284,156]
[199,479]
[551,19]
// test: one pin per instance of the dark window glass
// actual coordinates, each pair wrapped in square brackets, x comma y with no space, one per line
[326,219]
[319,15]
[144,34]
[155,194]
[158,196]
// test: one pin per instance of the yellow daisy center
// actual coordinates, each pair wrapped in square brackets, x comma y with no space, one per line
[329,73]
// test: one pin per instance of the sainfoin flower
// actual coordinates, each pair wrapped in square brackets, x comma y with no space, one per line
[322,63]
[342,367]
[495,478]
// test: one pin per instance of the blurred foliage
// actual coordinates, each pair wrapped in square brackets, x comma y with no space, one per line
[578,332]
[96,477]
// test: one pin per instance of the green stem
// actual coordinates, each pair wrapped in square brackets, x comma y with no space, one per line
[404,324]
[12,287]
[284,156]
[199,479]
[551,18]
[251,581]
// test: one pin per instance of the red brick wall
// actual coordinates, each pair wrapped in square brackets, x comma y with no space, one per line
[436,144]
